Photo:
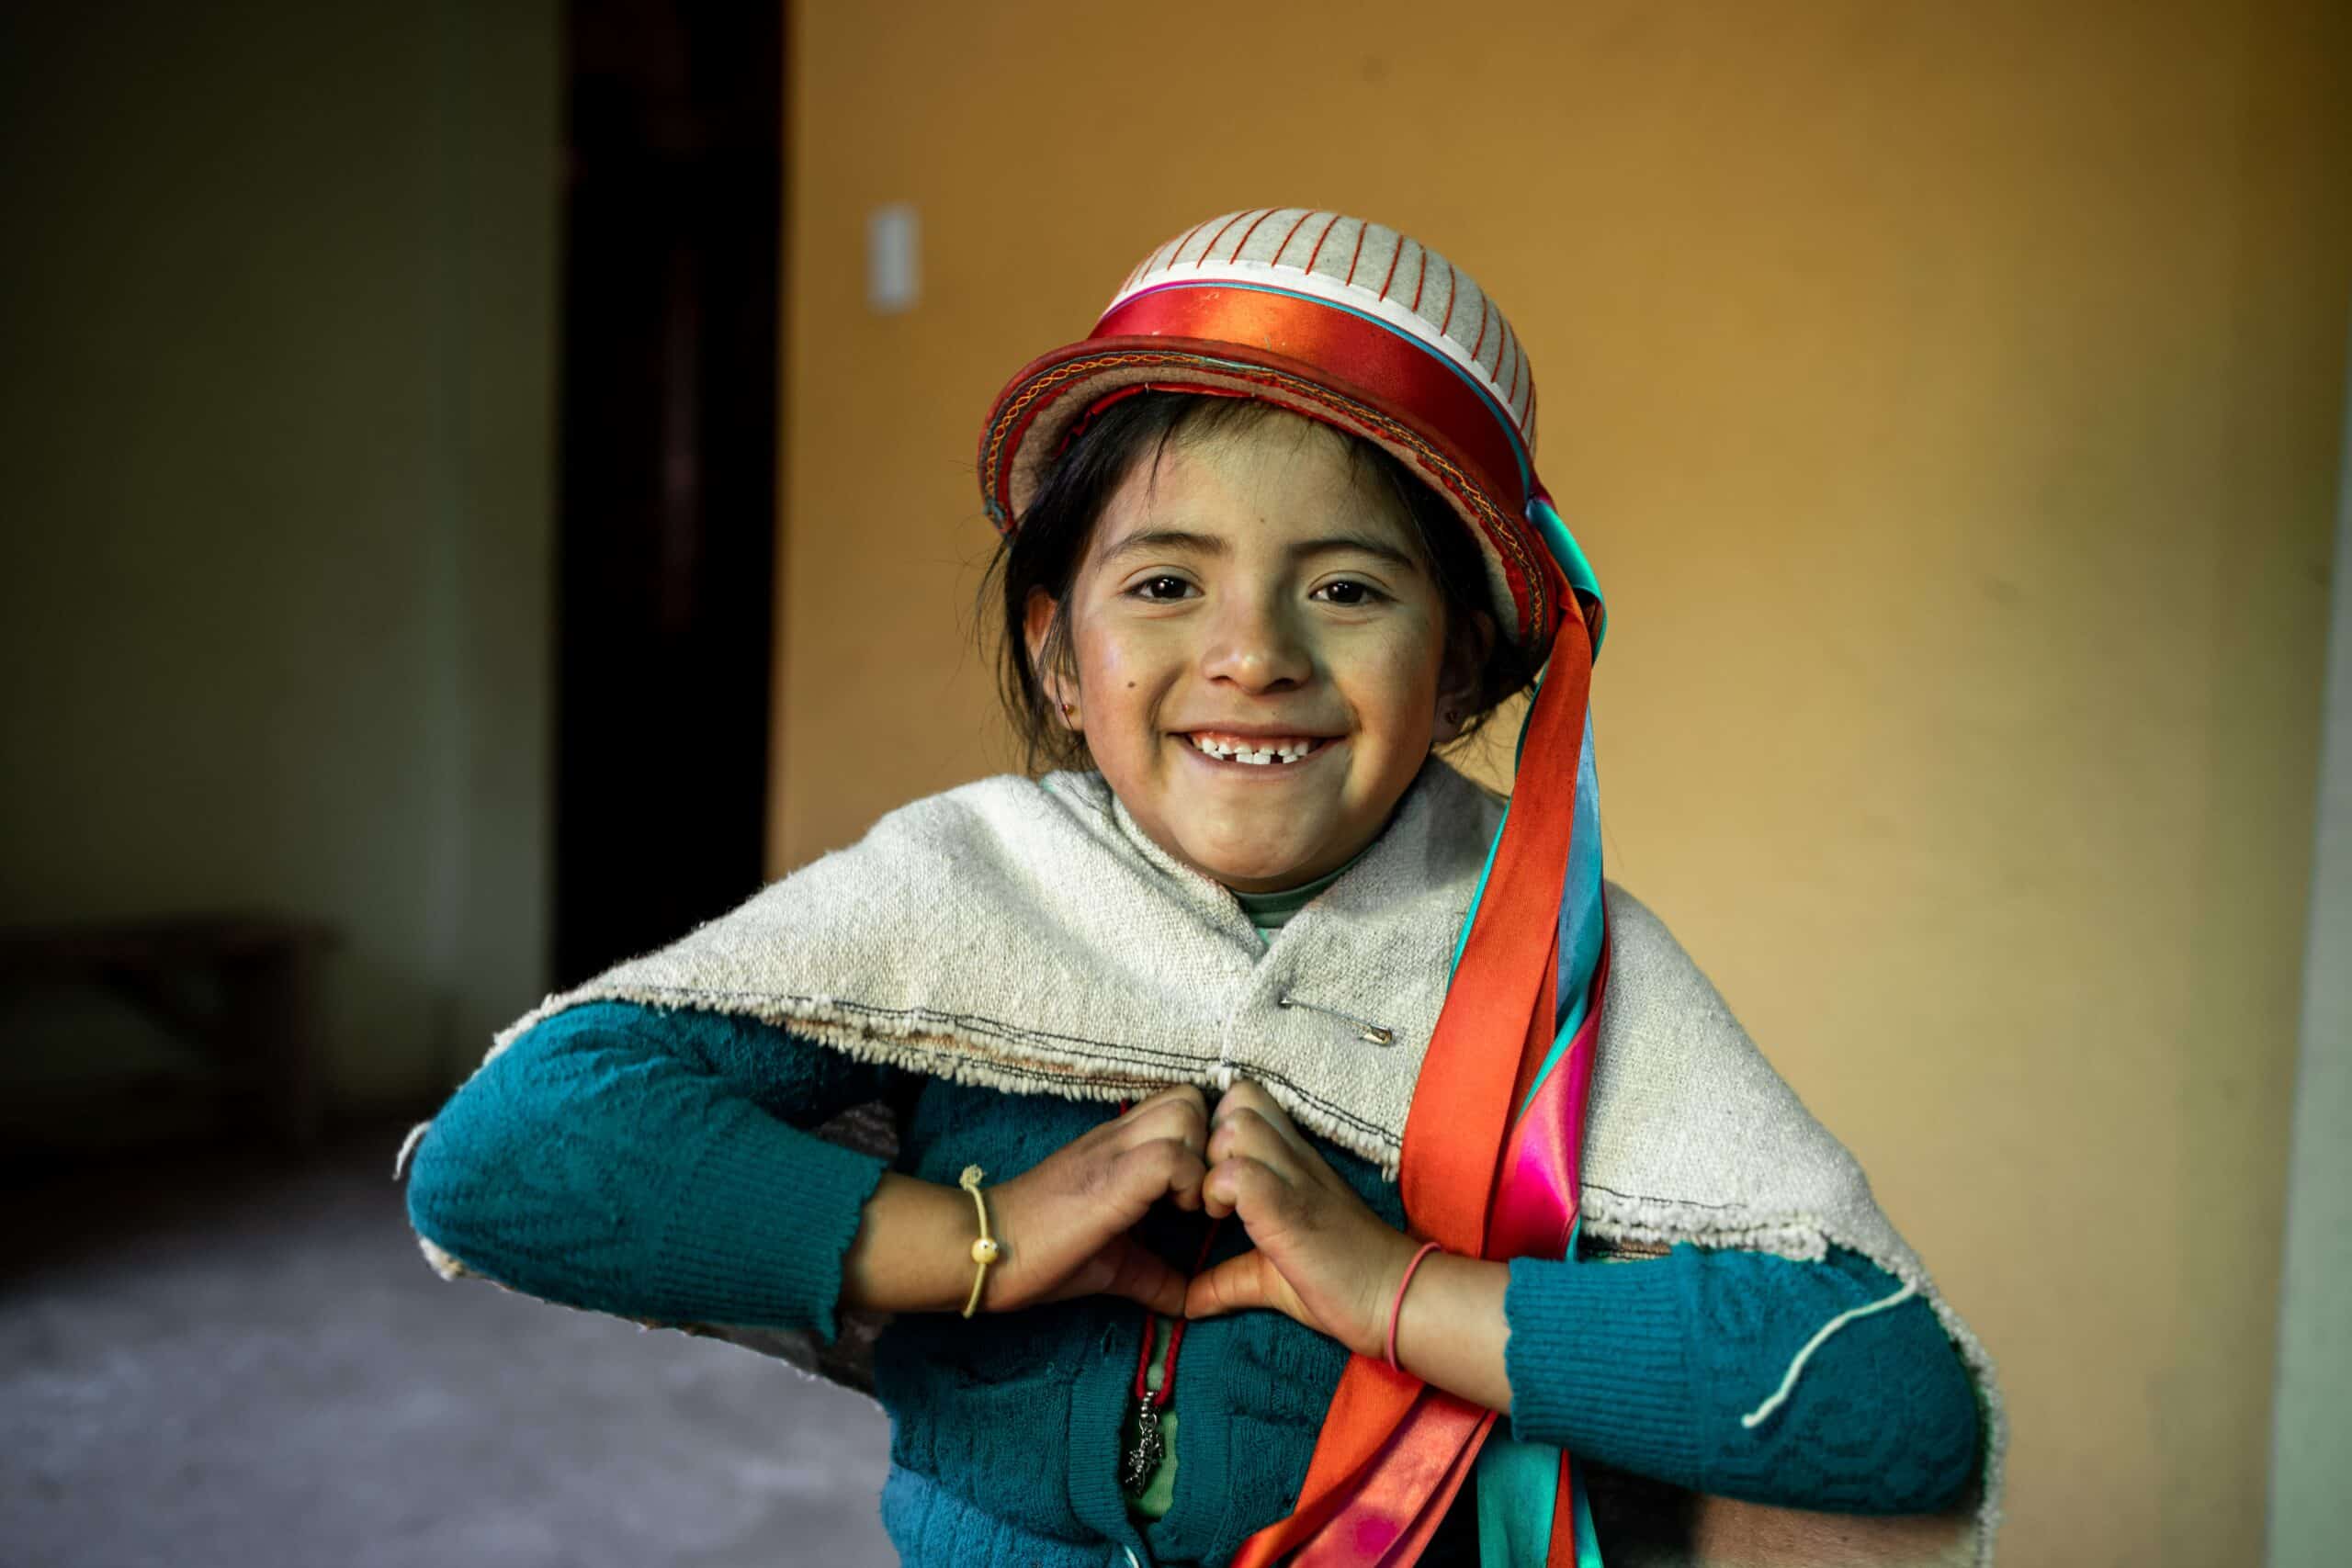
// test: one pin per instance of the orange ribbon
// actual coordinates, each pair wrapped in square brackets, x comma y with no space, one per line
[1394,1451]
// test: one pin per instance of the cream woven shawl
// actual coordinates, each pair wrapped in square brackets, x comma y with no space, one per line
[1027,935]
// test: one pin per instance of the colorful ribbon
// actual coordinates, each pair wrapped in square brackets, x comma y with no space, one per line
[1491,1157]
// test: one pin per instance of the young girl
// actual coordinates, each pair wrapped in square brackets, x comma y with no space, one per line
[1253,1143]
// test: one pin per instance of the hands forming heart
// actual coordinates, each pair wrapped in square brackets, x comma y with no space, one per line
[1320,1256]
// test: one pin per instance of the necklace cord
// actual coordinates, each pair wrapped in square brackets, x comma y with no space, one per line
[1167,1391]
[1144,1395]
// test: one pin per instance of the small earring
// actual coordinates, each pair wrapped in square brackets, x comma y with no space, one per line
[1454,716]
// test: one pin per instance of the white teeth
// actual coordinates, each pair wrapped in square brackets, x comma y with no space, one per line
[1282,751]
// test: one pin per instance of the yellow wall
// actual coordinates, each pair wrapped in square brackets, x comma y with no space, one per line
[1948,399]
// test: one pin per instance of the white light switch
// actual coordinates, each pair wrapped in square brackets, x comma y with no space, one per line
[893,258]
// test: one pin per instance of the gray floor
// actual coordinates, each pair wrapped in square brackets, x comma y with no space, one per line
[212,1361]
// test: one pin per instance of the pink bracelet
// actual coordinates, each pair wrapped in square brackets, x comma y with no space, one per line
[1427,1248]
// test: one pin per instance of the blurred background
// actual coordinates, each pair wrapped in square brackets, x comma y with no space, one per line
[488,485]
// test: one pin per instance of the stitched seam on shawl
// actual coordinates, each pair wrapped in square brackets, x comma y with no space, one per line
[1103,1051]
[1651,1197]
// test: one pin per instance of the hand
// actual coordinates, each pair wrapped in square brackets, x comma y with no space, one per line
[1064,1221]
[1321,1257]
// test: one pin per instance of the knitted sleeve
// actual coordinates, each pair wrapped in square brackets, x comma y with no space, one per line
[1650,1366]
[653,1165]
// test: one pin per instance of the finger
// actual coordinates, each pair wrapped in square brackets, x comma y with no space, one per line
[1248,1136]
[1264,1110]
[1186,1195]
[1182,1094]
[1247,1094]
[1255,1098]
[1234,1285]
[1145,1174]
[1180,1113]
[1141,1275]
[1243,1186]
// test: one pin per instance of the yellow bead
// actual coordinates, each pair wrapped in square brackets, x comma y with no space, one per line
[984,1251]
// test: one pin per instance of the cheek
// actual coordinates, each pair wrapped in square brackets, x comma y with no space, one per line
[1400,674]
[1118,668]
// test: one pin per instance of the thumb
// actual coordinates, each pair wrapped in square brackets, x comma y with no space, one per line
[1234,1285]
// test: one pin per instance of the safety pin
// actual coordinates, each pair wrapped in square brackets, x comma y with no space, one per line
[1373,1032]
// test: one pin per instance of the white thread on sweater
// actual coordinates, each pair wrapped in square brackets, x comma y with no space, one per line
[1763,1412]
[415,1135]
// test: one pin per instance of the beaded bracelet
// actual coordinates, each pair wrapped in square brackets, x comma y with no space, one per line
[985,1251]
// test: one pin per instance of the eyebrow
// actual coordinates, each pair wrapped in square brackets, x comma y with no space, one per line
[1178,541]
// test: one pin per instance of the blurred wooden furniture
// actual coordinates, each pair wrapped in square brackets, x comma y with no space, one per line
[240,988]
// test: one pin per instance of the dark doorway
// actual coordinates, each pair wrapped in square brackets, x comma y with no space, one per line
[668,479]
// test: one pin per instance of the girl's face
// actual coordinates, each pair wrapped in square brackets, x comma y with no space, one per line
[1259,648]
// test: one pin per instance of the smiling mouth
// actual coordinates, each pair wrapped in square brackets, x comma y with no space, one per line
[1258,751]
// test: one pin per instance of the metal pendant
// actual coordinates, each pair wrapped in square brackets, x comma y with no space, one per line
[1144,1457]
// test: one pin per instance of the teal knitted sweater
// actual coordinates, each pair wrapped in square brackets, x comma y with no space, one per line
[656,1165]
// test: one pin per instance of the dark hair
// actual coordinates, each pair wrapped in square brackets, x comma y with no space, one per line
[1045,549]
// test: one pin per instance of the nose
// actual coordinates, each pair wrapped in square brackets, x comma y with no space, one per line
[1255,643]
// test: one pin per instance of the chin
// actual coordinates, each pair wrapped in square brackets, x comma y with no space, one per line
[1280,866]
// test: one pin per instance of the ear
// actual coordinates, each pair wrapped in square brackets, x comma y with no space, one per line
[1051,664]
[1457,690]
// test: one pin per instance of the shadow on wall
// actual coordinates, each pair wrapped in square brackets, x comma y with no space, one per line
[274,593]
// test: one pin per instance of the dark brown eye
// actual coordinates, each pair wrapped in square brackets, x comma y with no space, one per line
[1163,587]
[1348,593]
